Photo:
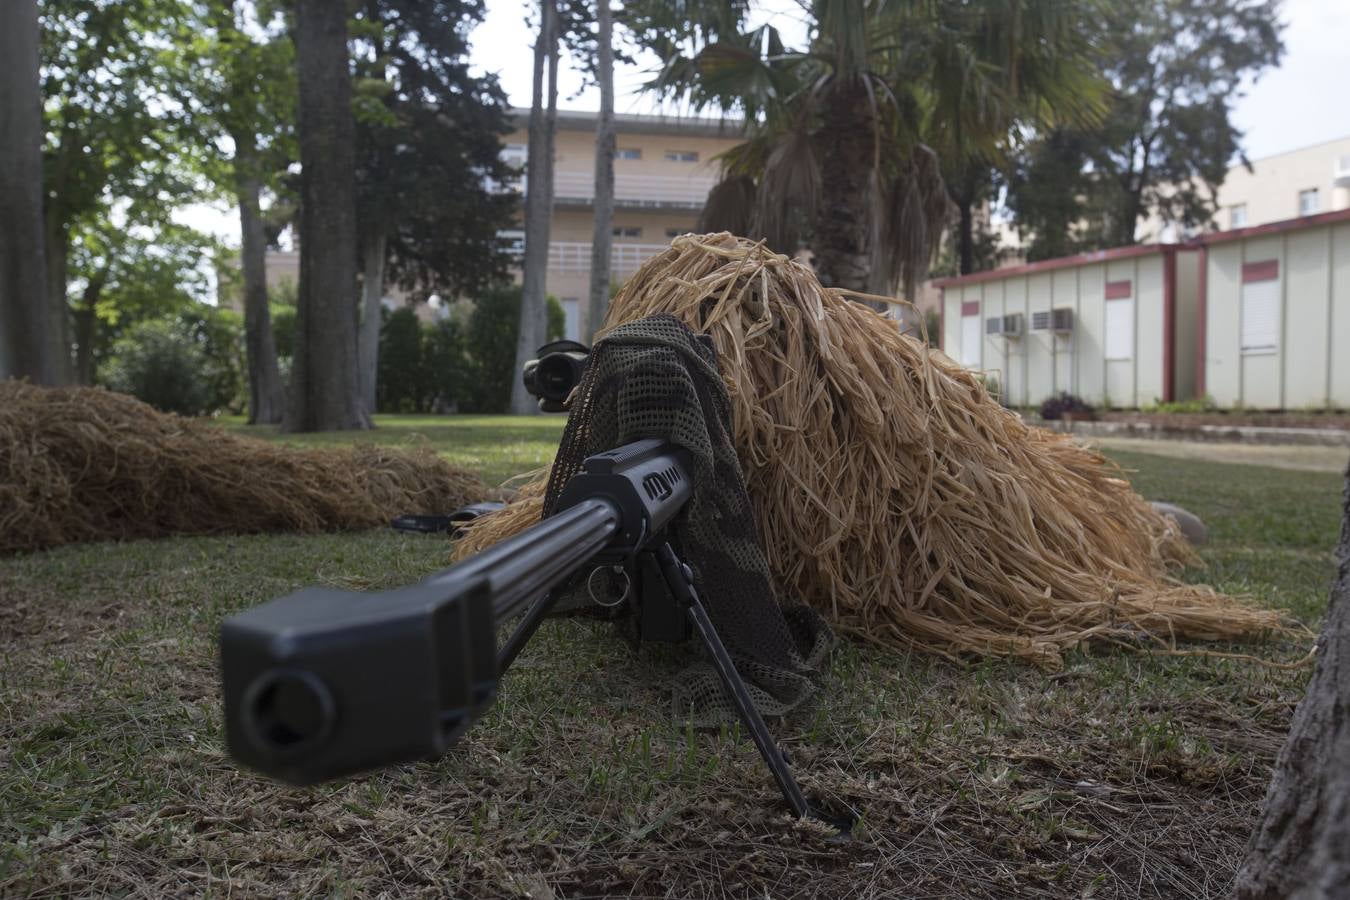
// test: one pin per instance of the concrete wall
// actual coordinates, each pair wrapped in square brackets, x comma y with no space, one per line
[1269,192]
[1308,367]
[1038,365]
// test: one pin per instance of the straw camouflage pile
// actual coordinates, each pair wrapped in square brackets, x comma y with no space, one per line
[85,464]
[894,495]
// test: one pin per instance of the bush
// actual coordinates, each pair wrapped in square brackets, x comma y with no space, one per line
[466,363]
[492,332]
[187,365]
[1056,407]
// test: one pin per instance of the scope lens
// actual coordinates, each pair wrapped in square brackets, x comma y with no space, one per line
[288,710]
[556,375]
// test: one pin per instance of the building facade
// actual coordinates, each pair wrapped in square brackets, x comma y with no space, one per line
[1255,318]
[1303,182]
[1116,327]
[664,167]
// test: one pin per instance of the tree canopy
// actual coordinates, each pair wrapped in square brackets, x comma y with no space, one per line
[1175,67]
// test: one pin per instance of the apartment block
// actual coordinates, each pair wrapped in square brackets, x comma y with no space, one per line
[664,167]
[1304,182]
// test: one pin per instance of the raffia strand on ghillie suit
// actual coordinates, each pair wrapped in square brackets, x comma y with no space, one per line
[895,496]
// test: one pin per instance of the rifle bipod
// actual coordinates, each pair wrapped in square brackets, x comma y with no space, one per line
[678,579]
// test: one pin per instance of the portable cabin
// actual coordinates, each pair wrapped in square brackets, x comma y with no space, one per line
[1115,327]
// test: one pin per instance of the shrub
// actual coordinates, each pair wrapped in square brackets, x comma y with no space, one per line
[468,363]
[187,365]
[1056,407]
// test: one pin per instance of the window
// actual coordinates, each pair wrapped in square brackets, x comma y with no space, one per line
[972,335]
[1237,216]
[627,231]
[681,156]
[675,232]
[1120,328]
[1307,202]
[571,318]
[1261,307]
[628,153]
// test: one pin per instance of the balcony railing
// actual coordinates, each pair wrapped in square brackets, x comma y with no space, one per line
[684,191]
[575,256]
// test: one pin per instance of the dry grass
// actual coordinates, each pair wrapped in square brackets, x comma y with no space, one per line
[897,497]
[85,464]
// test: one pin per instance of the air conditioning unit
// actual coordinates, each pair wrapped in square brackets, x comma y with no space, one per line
[1058,321]
[1008,326]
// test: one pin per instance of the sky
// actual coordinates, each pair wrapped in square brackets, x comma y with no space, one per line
[1299,104]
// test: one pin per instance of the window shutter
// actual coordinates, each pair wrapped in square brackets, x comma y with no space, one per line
[971,338]
[1261,315]
[1120,329]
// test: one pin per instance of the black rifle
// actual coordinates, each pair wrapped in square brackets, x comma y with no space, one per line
[325,682]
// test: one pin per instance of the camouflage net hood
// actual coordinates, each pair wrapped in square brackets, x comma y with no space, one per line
[655,378]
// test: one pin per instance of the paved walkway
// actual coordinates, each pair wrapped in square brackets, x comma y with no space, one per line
[1306,459]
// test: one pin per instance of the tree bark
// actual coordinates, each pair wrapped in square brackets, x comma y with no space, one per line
[26,350]
[842,243]
[325,389]
[372,292]
[57,248]
[266,396]
[538,204]
[603,234]
[85,319]
[1301,847]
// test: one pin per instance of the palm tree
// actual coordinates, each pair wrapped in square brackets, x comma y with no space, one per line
[842,138]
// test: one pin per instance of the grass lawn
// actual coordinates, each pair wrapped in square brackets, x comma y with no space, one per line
[1124,775]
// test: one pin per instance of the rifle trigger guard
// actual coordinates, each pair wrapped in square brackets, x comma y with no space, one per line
[627,585]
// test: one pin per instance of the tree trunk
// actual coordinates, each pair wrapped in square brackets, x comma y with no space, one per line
[538,204]
[85,320]
[1301,847]
[325,389]
[372,292]
[842,243]
[57,247]
[266,396]
[603,234]
[25,348]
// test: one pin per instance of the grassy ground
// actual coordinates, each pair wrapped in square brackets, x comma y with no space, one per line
[1122,776]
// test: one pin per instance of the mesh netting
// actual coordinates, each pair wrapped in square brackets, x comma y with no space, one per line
[655,378]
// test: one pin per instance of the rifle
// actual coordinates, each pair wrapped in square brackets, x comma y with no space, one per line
[327,682]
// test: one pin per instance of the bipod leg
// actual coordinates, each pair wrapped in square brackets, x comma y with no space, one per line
[680,579]
[529,624]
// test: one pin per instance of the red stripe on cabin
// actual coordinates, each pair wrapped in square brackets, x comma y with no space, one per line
[970,308]
[1266,270]
[1119,290]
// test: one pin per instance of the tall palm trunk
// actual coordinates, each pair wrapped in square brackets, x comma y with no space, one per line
[538,202]
[25,348]
[325,388]
[602,236]
[85,320]
[266,396]
[844,227]
[373,248]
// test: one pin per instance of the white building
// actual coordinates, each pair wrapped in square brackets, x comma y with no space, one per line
[1303,182]
[1257,317]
